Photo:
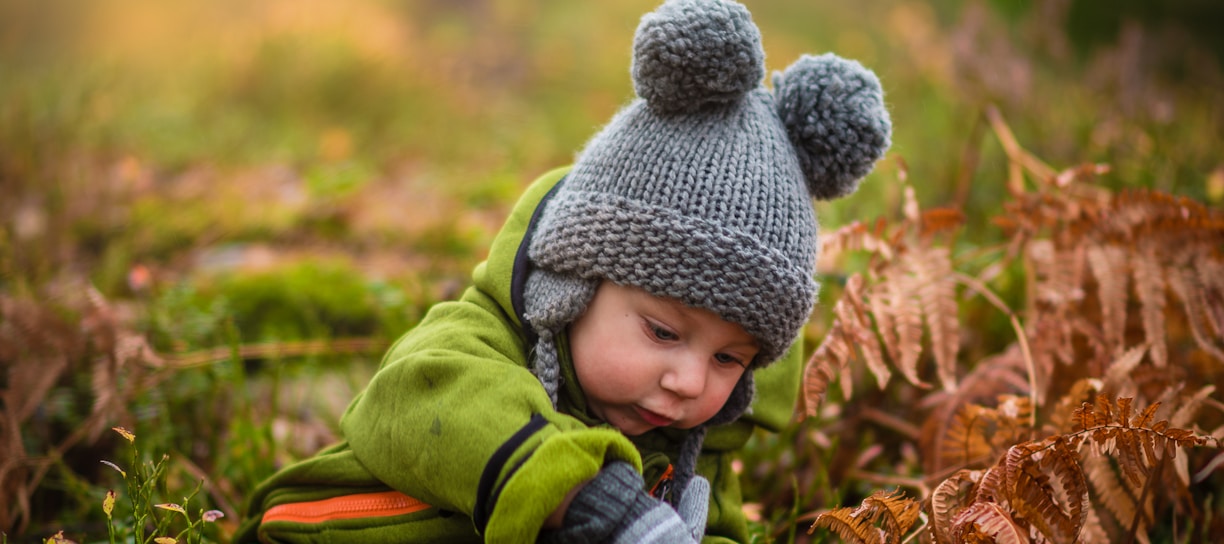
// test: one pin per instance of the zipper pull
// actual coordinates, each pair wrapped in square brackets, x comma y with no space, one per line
[662,488]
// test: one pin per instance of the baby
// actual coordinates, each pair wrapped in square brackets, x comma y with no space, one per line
[594,382]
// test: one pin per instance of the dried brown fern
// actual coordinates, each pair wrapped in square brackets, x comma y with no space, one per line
[899,319]
[36,347]
[70,331]
[948,500]
[1201,290]
[893,510]
[1150,287]
[937,294]
[43,345]
[1003,374]
[1138,241]
[909,288]
[977,434]
[986,522]
[1051,485]
[967,443]
[1108,264]
[1123,314]
[834,355]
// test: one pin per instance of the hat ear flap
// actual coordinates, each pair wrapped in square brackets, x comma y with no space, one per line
[552,302]
[834,114]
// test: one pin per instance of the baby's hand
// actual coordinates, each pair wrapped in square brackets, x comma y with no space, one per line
[614,508]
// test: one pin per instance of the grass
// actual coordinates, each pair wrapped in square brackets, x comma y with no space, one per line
[202,166]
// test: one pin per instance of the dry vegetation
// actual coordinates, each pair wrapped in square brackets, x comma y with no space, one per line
[1100,422]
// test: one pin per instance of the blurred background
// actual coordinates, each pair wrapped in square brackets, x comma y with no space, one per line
[215,214]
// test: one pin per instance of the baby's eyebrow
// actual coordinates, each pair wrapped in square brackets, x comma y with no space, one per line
[669,305]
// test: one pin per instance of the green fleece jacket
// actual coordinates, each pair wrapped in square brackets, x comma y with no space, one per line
[455,440]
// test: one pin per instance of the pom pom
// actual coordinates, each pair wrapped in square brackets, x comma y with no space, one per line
[688,54]
[833,111]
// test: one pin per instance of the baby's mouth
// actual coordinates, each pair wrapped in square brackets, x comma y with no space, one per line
[653,418]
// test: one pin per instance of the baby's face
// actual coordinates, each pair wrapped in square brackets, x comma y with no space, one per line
[646,362]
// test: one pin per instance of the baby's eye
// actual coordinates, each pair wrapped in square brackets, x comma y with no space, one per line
[728,359]
[662,333]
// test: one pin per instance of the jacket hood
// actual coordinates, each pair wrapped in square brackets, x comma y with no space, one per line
[504,274]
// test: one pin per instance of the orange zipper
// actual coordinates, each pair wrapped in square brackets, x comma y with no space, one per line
[662,486]
[364,505]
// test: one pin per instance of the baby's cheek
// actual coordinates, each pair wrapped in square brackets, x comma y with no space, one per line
[625,385]
[606,384]
[712,407]
[715,401]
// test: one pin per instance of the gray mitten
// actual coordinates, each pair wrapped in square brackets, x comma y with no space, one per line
[614,508]
[659,524]
[694,507]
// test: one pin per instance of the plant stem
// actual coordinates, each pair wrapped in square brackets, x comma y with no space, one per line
[895,423]
[1147,486]
[275,349]
[886,479]
[1021,336]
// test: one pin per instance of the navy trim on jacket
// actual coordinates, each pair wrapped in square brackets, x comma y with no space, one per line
[486,493]
[523,267]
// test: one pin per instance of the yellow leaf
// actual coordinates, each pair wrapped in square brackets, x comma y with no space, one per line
[171,507]
[108,504]
[131,438]
[59,538]
[165,540]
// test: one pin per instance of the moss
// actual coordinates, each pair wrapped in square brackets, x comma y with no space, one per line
[297,300]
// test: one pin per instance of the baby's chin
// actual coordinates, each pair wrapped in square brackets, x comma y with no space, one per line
[639,430]
[633,429]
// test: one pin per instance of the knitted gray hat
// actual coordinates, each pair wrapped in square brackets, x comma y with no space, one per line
[701,189]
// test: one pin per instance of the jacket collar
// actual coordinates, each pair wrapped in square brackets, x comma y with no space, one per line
[523,266]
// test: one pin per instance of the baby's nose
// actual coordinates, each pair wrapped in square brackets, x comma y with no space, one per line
[686,377]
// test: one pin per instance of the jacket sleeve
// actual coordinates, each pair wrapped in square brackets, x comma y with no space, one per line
[454,394]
